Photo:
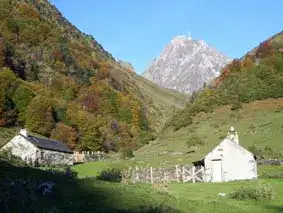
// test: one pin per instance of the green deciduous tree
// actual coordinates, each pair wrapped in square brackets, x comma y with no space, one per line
[39,116]
[22,97]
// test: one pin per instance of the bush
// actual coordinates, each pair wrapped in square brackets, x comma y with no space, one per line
[110,175]
[236,105]
[127,153]
[63,173]
[156,209]
[260,192]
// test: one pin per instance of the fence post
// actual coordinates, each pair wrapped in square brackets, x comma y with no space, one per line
[137,173]
[193,174]
[151,175]
[183,174]
[177,174]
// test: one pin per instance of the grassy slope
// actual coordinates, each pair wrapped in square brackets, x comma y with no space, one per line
[258,124]
[164,101]
[87,195]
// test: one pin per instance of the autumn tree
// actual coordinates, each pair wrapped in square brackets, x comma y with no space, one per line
[7,87]
[39,116]
[91,100]
[22,97]
[247,62]
[103,72]
[2,53]
[264,49]
[235,66]
[66,134]
[27,12]
[91,137]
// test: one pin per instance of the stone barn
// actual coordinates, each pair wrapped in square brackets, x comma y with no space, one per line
[38,150]
[228,161]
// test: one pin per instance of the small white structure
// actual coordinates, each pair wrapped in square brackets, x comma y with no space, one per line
[228,161]
[39,151]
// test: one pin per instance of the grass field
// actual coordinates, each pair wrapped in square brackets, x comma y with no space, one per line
[90,195]
[259,123]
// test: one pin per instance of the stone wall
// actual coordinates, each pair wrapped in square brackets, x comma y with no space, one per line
[49,157]
[270,162]
[20,147]
[85,156]
[29,153]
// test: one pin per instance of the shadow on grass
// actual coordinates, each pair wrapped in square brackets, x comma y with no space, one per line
[18,186]
[275,208]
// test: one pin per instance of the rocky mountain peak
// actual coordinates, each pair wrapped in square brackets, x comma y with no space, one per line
[186,64]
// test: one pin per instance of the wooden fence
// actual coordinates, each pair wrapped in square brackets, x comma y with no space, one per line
[85,156]
[180,174]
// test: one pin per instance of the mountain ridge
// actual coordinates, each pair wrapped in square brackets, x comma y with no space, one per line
[59,82]
[186,64]
[255,76]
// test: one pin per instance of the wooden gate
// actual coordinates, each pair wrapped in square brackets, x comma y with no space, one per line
[180,174]
[192,174]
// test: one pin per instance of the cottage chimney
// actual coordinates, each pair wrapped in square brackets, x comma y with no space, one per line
[24,132]
[233,135]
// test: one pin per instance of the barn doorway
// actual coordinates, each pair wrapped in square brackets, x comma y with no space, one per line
[217,170]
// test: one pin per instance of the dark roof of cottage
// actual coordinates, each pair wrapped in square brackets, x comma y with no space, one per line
[49,144]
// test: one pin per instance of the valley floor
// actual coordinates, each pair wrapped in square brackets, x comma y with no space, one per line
[258,123]
[91,195]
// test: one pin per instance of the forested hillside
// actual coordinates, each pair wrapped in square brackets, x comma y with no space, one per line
[256,76]
[59,82]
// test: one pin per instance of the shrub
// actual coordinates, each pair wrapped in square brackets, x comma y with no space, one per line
[156,209]
[127,153]
[63,173]
[260,192]
[110,175]
[126,175]
[236,105]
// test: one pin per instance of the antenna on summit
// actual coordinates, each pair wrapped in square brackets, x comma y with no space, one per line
[190,38]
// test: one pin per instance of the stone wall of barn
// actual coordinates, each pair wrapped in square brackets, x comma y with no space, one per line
[237,163]
[20,147]
[29,153]
[49,157]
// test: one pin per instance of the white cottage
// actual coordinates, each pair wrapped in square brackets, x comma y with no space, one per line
[38,150]
[229,161]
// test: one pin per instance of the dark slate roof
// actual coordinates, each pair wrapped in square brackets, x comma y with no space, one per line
[45,143]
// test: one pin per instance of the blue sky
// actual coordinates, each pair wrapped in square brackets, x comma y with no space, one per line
[138,30]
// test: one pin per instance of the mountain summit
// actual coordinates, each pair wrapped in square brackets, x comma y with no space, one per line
[186,65]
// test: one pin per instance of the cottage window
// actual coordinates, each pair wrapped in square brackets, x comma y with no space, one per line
[41,155]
